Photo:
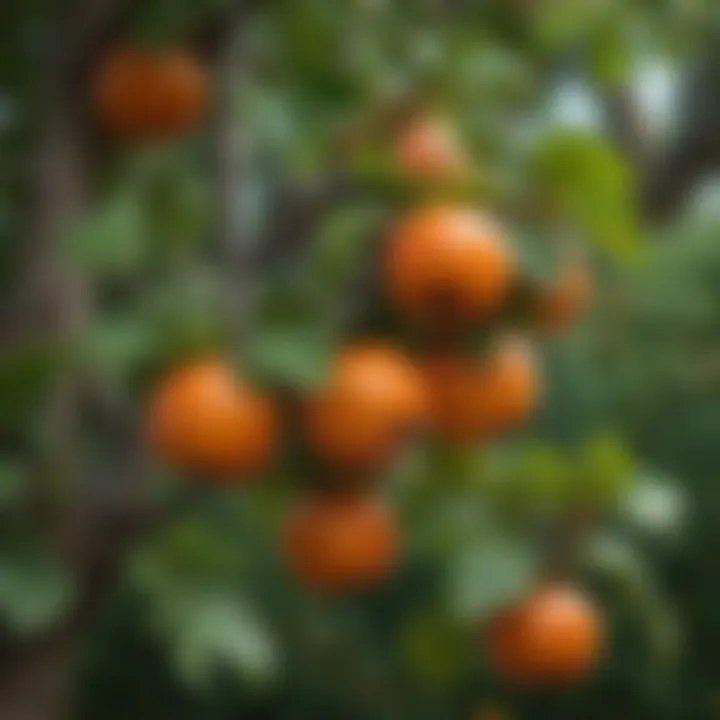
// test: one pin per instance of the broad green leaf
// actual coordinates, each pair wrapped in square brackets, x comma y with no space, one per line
[531,480]
[592,186]
[213,631]
[604,469]
[559,23]
[494,570]
[543,474]
[292,337]
[289,356]
[190,313]
[609,55]
[490,69]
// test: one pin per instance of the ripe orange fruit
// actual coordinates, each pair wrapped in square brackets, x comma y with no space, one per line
[139,92]
[336,543]
[553,636]
[481,397]
[560,304]
[427,148]
[373,396]
[204,420]
[447,262]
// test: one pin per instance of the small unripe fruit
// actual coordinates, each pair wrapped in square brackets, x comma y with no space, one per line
[428,149]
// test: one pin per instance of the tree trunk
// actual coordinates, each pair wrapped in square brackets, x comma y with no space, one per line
[51,301]
[36,682]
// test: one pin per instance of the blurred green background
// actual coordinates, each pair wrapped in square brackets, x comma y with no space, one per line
[130,591]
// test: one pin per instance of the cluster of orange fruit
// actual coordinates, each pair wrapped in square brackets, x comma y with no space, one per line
[447,265]
[206,420]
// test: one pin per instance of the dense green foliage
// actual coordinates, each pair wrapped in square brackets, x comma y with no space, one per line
[203,620]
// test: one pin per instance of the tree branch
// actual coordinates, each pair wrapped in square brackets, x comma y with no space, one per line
[625,124]
[232,161]
[694,152]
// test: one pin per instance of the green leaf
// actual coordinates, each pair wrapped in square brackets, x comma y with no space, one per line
[190,574]
[118,346]
[493,571]
[292,339]
[289,356]
[559,23]
[178,211]
[458,466]
[489,70]
[543,473]
[592,186]
[211,631]
[604,469]
[191,552]
[35,590]
[609,55]
[530,481]
[113,240]
[342,241]
[189,314]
